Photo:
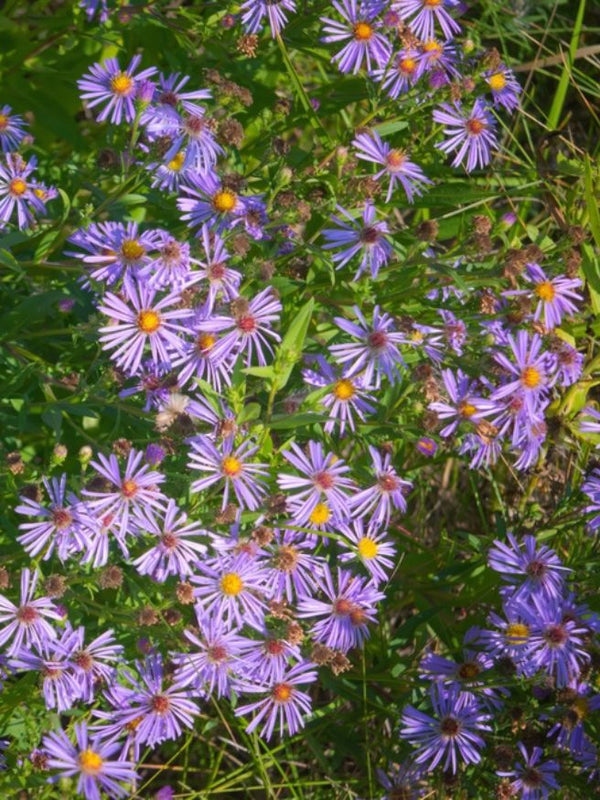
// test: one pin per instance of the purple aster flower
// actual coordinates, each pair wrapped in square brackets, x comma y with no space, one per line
[591,487]
[254,11]
[168,95]
[293,566]
[108,83]
[219,655]
[284,703]
[396,165]
[322,477]
[155,454]
[193,149]
[512,639]
[232,590]
[555,296]
[115,250]
[376,352]
[592,423]
[345,614]
[17,191]
[471,133]
[92,762]
[198,360]
[504,87]
[229,464]
[12,130]
[423,15]
[402,782]
[387,493]
[427,446]
[176,550]
[429,338]
[438,60]
[209,201]
[534,778]
[140,321]
[369,547]
[27,624]
[91,8]
[397,78]
[466,404]
[566,363]
[360,27]
[568,732]
[453,732]
[249,329]
[529,370]
[154,381]
[268,658]
[171,266]
[92,664]
[557,642]
[60,527]
[131,491]
[367,239]
[530,569]
[222,280]
[159,712]
[346,397]
[59,687]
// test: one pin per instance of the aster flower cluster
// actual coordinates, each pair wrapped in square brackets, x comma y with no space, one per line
[546,638]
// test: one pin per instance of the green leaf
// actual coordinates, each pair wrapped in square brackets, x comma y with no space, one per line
[290,349]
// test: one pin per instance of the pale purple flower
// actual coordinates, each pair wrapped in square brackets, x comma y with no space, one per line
[59,687]
[171,265]
[370,547]
[466,404]
[27,624]
[12,130]
[232,590]
[17,191]
[209,202]
[268,658]
[386,494]
[529,568]
[293,566]
[367,239]
[528,371]
[504,87]
[472,134]
[254,13]
[424,15]
[360,26]
[92,664]
[534,779]
[115,87]
[347,397]
[398,77]
[198,360]
[223,281]
[396,165]
[555,296]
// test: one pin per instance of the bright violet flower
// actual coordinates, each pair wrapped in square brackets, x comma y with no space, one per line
[360,27]
[176,550]
[512,637]
[92,664]
[367,239]
[504,87]
[423,15]
[171,266]
[249,328]
[529,370]
[376,352]
[108,83]
[400,76]
[555,296]
[566,363]
[209,202]
[141,321]
[388,492]
[438,60]
[198,359]
[268,658]
[293,566]
[254,12]
[345,614]
[471,133]
[91,7]
[531,570]
[131,491]
[285,705]
[59,687]
[396,165]
[222,280]
[534,778]
[92,762]
[322,482]
[219,655]
[466,404]
[370,547]
[229,464]
[116,250]
[17,191]
[27,624]
[232,590]
[193,149]
[167,96]
[453,732]
[12,130]
[346,398]
[60,528]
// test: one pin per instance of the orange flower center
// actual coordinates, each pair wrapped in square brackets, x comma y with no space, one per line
[122,84]
[344,389]
[530,377]
[205,342]
[497,81]
[129,488]
[17,187]
[176,163]
[407,65]
[282,692]
[231,584]
[3,122]
[320,514]
[90,762]
[148,321]
[363,31]
[545,291]
[231,466]
[224,201]
[395,161]
[517,632]
[466,409]
[132,250]
[475,126]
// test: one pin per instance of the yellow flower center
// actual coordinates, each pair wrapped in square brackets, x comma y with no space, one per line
[432,3]
[3,122]
[176,163]
[121,84]
[132,250]
[517,632]
[344,389]
[148,321]
[407,65]
[530,377]
[433,47]
[497,81]
[129,488]
[205,342]
[363,31]
[416,337]
[90,762]
[231,466]
[580,707]
[545,291]
[466,409]
[282,692]
[39,193]
[368,548]
[17,187]
[231,584]
[320,514]
[224,201]
[395,160]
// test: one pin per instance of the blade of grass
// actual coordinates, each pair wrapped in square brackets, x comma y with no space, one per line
[565,78]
